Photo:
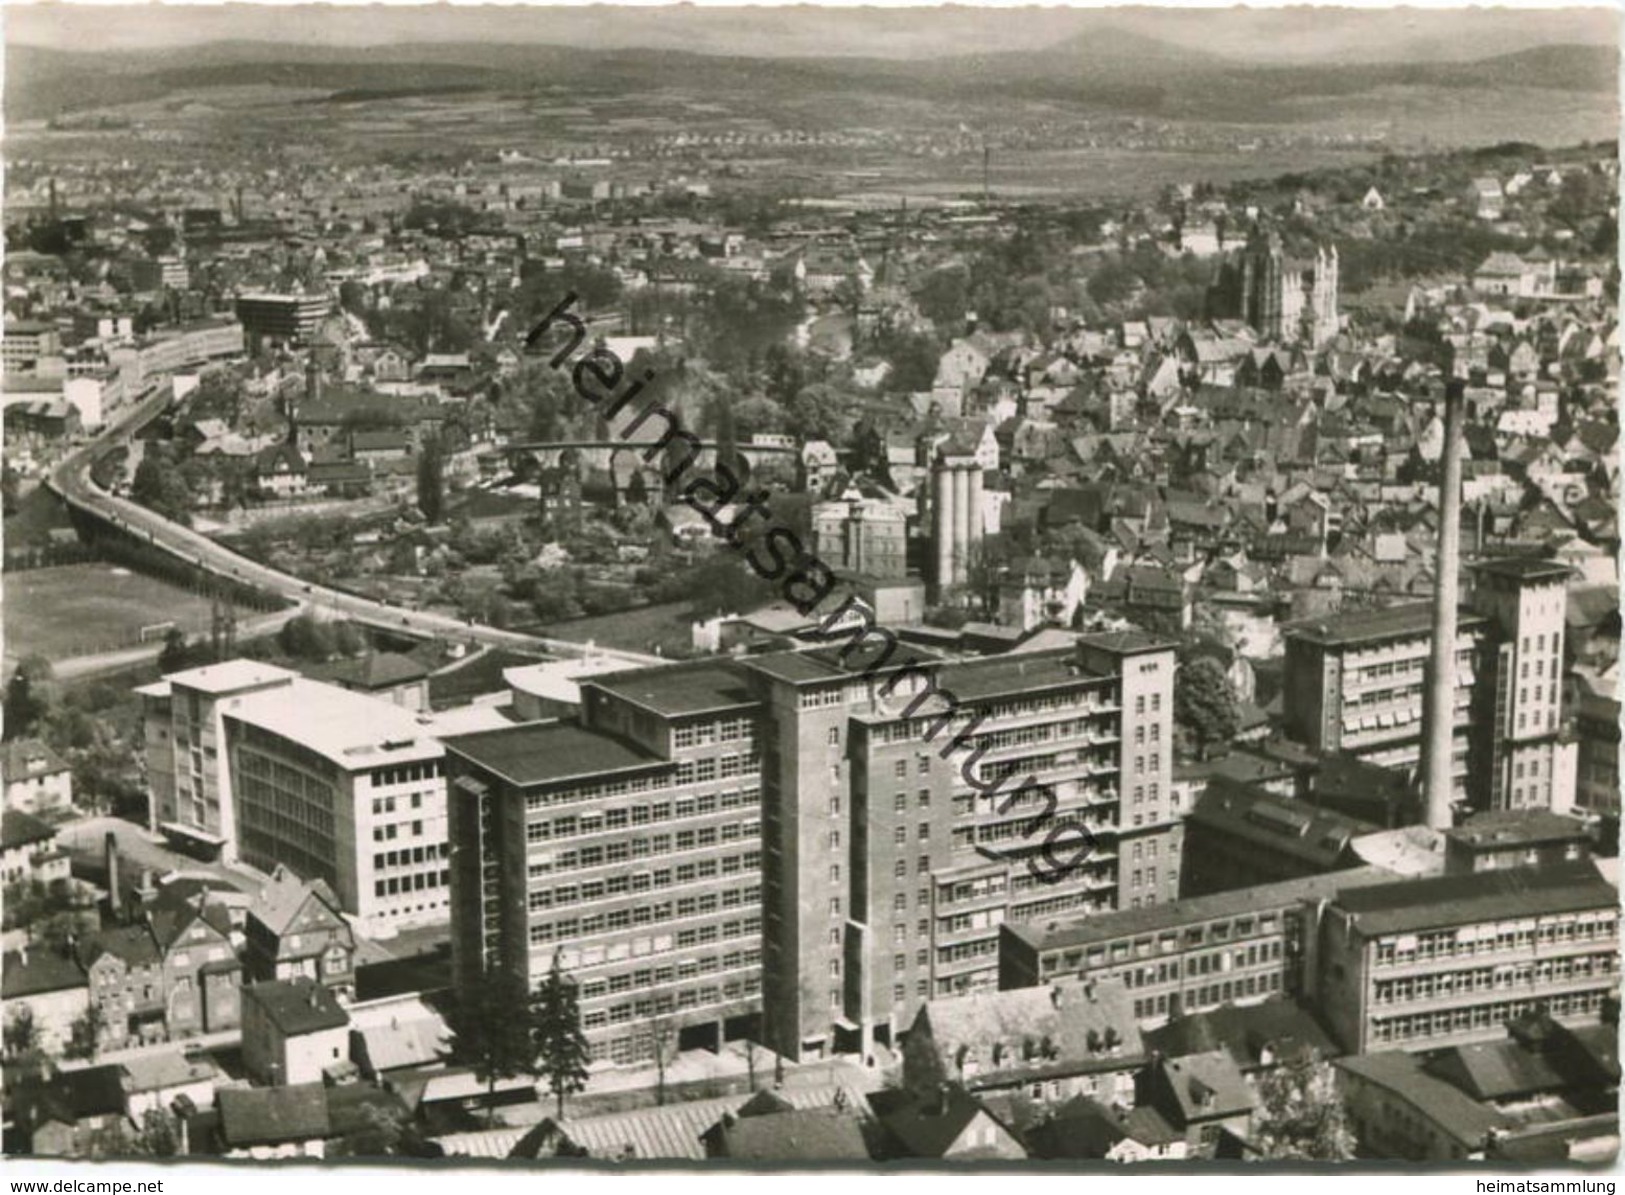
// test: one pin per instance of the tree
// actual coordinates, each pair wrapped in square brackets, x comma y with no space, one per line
[157,1138]
[21,1033]
[493,1033]
[556,1035]
[664,1038]
[1204,703]
[159,486]
[432,480]
[29,695]
[1300,1114]
[85,1035]
[306,638]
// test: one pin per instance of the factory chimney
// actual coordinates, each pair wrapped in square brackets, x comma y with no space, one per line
[1438,719]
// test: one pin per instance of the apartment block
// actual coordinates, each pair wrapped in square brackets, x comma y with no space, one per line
[1440,961]
[1355,682]
[629,844]
[1237,947]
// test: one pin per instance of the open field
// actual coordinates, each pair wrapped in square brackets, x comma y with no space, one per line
[81,609]
[663,629]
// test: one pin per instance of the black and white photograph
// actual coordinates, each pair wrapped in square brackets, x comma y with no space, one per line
[864,589]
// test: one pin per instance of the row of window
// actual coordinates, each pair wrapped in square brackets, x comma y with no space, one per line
[396,830]
[1209,995]
[600,821]
[418,882]
[569,929]
[642,881]
[409,855]
[411,773]
[1598,926]
[729,730]
[387,805]
[609,853]
[1485,979]
[684,969]
[663,1003]
[1439,1023]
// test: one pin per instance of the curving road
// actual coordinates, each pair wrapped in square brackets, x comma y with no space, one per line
[71,481]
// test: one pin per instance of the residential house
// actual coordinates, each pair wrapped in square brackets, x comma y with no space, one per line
[293,1032]
[1201,1096]
[28,850]
[36,778]
[72,1114]
[1084,1129]
[295,929]
[125,972]
[51,986]
[201,974]
[949,1124]
[1051,1042]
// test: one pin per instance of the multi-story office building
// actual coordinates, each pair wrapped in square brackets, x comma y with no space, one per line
[1439,961]
[1355,682]
[881,875]
[282,319]
[1236,947]
[629,843]
[888,874]
[1519,759]
[262,765]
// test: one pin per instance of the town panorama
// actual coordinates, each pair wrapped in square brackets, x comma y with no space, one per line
[822,586]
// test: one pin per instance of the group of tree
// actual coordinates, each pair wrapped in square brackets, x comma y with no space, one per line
[307,637]
[506,1030]
[160,485]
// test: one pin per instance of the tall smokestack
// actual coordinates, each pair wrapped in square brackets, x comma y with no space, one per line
[1438,727]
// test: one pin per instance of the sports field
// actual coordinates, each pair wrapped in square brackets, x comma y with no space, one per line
[83,609]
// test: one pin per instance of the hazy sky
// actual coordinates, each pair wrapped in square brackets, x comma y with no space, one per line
[1299,34]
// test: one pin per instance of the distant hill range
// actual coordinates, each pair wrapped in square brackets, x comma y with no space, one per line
[1110,68]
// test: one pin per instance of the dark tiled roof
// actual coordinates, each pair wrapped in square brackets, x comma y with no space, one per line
[1319,837]
[15,757]
[45,971]
[273,1115]
[550,752]
[812,1135]
[929,1132]
[1438,901]
[1453,1111]
[297,1006]
[20,829]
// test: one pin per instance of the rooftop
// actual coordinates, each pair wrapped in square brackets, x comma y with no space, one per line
[1364,626]
[1456,1113]
[1106,927]
[231,676]
[32,972]
[676,690]
[297,1006]
[23,829]
[535,753]
[1441,901]
[1274,823]
[354,730]
[23,758]
[1516,827]
[1522,568]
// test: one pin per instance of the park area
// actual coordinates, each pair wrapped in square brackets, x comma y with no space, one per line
[85,609]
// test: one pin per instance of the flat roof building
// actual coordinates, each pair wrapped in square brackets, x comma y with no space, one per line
[1423,963]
